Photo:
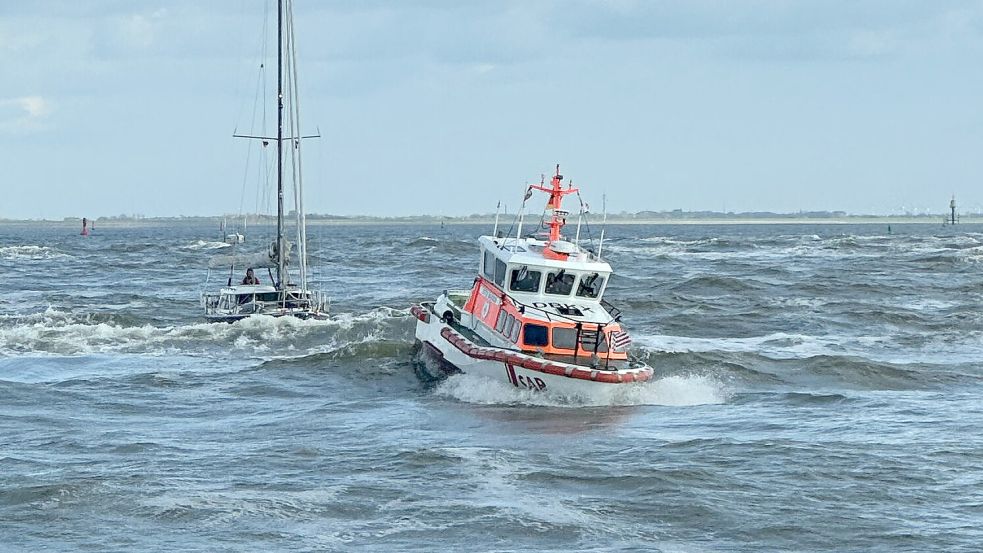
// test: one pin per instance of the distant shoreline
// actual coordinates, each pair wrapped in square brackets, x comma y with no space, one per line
[457,221]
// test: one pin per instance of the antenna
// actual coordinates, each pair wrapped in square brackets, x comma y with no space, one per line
[580,218]
[498,208]
[604,205]
[522,211]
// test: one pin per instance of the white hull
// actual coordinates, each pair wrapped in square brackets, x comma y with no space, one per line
[238,302]
[451,351]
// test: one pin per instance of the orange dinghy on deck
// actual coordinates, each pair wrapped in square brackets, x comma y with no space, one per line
[535,314]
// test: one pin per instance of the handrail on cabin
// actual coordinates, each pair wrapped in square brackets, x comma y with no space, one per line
[598,327]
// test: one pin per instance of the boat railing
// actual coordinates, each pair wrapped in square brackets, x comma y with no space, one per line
[286,299]
[612,310]
[524,307]
[590,336]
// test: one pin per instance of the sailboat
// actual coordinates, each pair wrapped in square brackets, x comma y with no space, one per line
[280,296]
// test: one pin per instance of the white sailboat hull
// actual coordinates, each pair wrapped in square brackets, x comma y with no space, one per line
[233,303]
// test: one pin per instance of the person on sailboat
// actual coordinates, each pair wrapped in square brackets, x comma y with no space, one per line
[250,277]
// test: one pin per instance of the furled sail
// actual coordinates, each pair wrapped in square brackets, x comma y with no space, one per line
[262,260]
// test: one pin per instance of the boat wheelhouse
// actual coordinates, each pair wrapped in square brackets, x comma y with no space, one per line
[535,314]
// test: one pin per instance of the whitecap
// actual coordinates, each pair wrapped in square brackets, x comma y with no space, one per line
[30,252]
[677,391]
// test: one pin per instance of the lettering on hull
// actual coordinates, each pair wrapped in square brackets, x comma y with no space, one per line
[562,306]
[520,381]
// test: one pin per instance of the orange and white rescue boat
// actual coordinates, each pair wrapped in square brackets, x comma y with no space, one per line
[535,315]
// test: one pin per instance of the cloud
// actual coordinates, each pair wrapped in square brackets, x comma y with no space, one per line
[139,30]
[27,113]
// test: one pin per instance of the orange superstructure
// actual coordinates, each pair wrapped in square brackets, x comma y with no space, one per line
[510,319]
[558,217]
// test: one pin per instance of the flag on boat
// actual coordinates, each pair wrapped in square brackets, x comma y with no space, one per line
[620,339]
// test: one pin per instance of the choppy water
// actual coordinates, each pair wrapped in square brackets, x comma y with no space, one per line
[818,389]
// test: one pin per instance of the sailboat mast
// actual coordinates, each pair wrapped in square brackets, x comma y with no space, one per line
[281,266]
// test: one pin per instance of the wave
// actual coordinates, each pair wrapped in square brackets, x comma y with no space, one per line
[713,284]
[368,348]
[54,332]
[676,391]
[918,249]
[756,370]
[205,245]
[445,246]
[778,345]
[30,253]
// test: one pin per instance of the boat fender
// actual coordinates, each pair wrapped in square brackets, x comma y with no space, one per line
[582,374]
[555,369]
[607,377]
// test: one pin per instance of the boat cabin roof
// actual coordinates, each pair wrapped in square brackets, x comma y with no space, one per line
[570,288]
[529,251]
[249,289]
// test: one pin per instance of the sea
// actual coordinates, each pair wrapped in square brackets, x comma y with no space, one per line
[817,388]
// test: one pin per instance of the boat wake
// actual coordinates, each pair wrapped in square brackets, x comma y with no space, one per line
[672,391]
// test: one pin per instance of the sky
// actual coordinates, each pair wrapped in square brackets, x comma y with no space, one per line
[112,107]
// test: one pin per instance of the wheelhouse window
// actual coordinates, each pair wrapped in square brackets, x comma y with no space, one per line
[602,343]
[560,283]
[488,267]
[509,327]
[535,335]
[500,323]
[524,280]
[500,268]
[565,338]
[590,285]
[516,328]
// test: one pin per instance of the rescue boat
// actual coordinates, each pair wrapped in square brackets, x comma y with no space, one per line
[535,316]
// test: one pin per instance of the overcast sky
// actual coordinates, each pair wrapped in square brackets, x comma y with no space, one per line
[445,107]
